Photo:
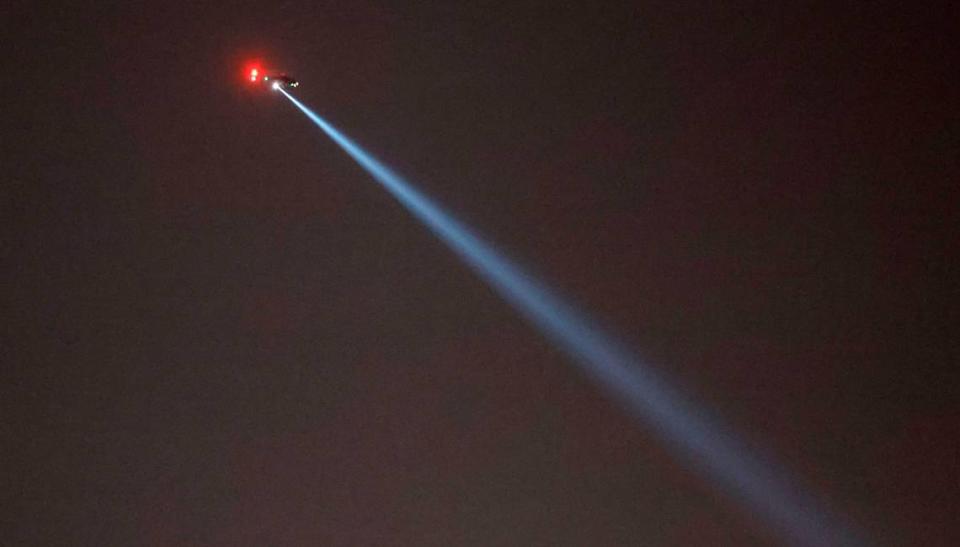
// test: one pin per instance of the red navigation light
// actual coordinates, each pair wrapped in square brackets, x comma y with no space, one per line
[253,75]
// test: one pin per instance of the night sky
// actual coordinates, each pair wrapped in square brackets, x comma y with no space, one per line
[218,330]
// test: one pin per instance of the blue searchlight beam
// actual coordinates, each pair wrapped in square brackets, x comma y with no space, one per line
[700,440]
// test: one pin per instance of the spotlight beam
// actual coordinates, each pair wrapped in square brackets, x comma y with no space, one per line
[701,441]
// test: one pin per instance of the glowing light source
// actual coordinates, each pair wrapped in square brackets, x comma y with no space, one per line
[698,437]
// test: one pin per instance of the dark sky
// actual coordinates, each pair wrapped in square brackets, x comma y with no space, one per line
[217,330]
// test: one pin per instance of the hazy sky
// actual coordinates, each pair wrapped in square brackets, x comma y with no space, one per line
[217,330]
